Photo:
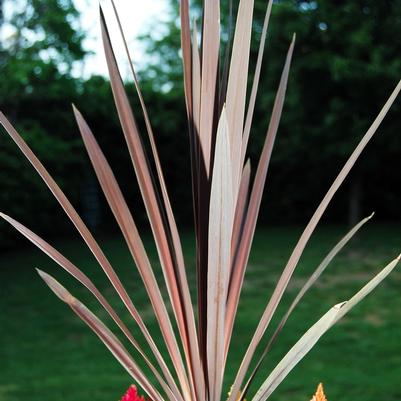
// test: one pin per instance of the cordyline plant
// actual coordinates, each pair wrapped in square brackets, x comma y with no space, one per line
[226,207]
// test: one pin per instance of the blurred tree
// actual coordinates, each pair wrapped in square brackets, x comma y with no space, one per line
[1,13]
[345,65]
[41,43]
[44,31]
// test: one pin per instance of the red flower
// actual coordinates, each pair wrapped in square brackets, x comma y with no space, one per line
[132,395]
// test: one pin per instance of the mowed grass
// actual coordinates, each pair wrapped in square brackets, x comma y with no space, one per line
[48,354]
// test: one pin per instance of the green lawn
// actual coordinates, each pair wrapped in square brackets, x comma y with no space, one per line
[47,354]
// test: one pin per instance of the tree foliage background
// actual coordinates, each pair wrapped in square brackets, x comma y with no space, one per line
[346,62]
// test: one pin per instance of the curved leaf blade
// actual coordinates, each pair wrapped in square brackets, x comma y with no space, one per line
[220,231]
[310,338]
[104,333]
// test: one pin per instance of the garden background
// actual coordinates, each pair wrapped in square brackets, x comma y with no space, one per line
[347,60]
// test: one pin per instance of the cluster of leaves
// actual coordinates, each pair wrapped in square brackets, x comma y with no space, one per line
[38,50]
[38,55]
[345,63]
[226,204]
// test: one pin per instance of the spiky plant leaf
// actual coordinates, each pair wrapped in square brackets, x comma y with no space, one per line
[104,333]
[308,284]
[225,219]
[237,84]
[210,60]
[241,208]
[244,246]
[221,218]
[255,83]
[312,336]
[297,252]
[189,331]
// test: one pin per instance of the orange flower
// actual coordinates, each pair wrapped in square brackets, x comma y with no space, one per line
[319,396]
